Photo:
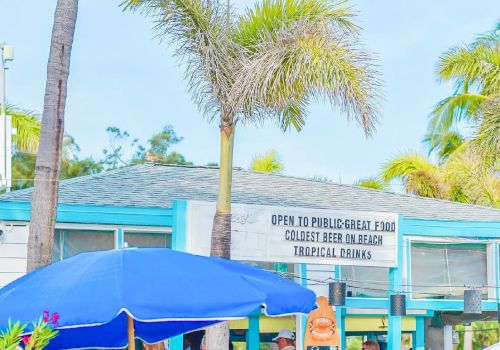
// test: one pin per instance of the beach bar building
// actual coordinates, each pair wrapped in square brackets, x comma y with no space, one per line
[379,244]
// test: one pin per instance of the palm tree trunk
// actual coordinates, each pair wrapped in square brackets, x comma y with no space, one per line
[44,200]
[468,334]
[221,229]
[217,337]
[156,346]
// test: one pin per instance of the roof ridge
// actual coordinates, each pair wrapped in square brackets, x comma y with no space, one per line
[372,189]
[331,184]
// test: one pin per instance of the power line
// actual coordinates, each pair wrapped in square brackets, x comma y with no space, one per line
[350,285]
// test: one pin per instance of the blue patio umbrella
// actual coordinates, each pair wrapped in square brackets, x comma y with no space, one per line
[106,298]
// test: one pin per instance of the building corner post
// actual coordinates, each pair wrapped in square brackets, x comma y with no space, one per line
[179,242]
[394,330]
[179,227]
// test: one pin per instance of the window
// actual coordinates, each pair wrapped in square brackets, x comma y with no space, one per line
[148,240]
[442,270]
[363,281]
[68,243]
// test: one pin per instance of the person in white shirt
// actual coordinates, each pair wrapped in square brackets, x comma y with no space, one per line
[285,340]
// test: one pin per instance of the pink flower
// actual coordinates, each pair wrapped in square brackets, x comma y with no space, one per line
[54,318]
[26,339]
[45,315]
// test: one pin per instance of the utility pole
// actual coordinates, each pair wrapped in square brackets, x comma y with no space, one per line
[6,54]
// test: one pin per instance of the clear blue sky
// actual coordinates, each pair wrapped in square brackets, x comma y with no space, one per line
[122,76]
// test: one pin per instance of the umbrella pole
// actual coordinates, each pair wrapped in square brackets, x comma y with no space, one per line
[130,333]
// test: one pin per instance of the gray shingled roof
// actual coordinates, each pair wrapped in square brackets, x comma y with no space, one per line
[153,185]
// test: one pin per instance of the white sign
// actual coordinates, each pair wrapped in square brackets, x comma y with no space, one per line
[299,235]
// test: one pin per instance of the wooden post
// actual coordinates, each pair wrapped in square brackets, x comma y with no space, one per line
[130,332]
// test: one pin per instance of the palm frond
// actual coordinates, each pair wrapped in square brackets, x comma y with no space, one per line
[271,16]
[27,125]
[426,184]
[293,113]
[451,110]
[199,29]
[486,140]
[271,62]
[405,164]
[373,182]
[291,59]
[443,143]
[418,174]
[490,38]
[269,162]
[478,184]
[477,65]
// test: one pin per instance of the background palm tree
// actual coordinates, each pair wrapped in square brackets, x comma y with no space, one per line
[475,71]
[460,178]
[268,162]
[269,63]
[466,167]
[373,182]
[48,161]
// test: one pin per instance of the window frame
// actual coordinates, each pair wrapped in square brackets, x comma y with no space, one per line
[382,288]
[119,239]
[148,232]
[108,231]
[489,246]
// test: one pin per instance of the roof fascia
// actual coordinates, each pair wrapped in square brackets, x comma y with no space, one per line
[449,228]
[93,214]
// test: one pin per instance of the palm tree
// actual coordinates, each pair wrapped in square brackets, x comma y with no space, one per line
[44,199]
[269,63]
[461,174]
[268,162]
[475,70]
